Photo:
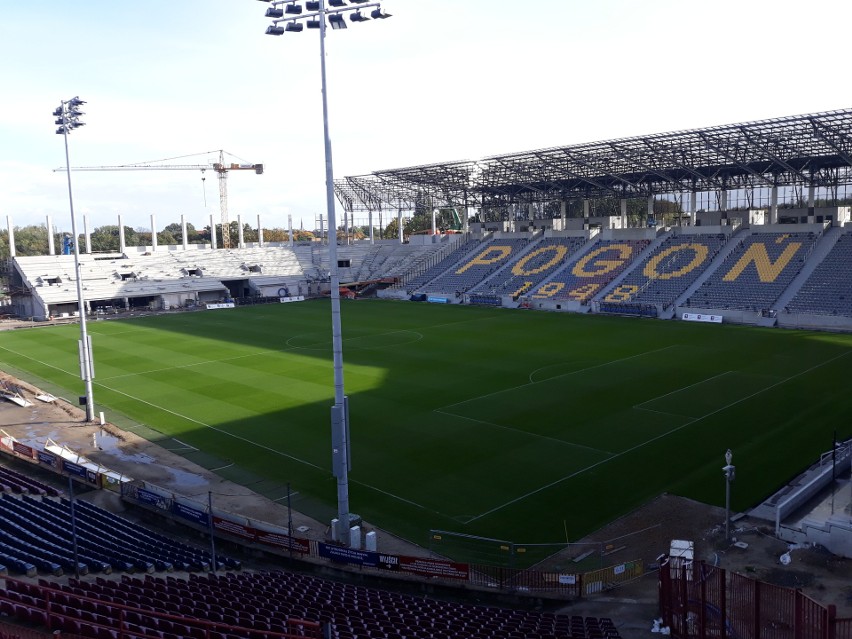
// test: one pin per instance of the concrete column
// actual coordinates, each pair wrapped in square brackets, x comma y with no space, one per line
[11,235]
[585,215]
[183,237]
[623,204]
[87,235]
[650,214]
[773,205]
[259,233]
[290,224]
[322,229]
[693,207]
[531,212]
[241,243]
[348,223]
[127,303]
[723,206]
[563,212]
[370,224]
[434,221]
[51,248]
[153,233]
[811,203]
[212,232]
[399,225]
[122,244]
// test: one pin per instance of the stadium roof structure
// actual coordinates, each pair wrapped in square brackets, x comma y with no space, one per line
[802,150]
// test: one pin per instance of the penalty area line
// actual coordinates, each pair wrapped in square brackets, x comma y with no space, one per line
[582,370]
[658,437]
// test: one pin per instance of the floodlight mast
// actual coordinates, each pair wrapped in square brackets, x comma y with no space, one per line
[68,118]
[315,18]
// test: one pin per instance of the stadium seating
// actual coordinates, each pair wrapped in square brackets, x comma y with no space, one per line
[755,274]
[582,278]
[529,269]
[475,268]
[38,532]
[828,291]
[418,282]
[668,271]
[15,482]
[254,603]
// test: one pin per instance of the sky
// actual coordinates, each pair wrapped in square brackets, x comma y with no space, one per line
[439,81]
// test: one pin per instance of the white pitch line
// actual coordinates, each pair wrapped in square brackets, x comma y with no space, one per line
[201,363]
[38,361]
[261,446]
[175,439]
[677,390]
[213,428]
[523,432]
[397,497]
[653,439]
[581,370]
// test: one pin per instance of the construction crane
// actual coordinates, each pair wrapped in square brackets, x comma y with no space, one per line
[222,169]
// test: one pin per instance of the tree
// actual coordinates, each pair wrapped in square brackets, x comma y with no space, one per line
[275,235]
[177,232]
[391,231]
[165,238]
[105,238]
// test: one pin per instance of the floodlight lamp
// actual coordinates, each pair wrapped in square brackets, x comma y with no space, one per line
[336,3]
[75,102]
[357,1]
[59,121]
[294,27]
[312,5]
[337,21]
[274,29]
[293,9]
[60,130]
[379,14]
[358,17]
[274,12]
[314,24]
[58,111]
[265,0]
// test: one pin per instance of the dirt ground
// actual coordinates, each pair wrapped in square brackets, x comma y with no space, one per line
[644,534]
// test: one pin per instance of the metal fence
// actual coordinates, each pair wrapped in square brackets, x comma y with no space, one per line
[705,601]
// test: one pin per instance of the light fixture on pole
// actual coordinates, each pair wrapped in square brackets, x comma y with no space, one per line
[730,473]
[68,118]
[315,18]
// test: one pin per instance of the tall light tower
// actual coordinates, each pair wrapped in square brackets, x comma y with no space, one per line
[288,16]
[68,118]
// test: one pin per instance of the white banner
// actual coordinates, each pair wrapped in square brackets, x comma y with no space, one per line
[225,305]
[294,298]
[697,317]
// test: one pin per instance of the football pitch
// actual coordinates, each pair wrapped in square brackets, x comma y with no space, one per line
[526,426]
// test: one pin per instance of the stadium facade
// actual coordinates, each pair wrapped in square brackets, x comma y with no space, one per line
[761,235]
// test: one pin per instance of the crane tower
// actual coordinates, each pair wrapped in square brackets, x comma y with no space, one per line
[221,168]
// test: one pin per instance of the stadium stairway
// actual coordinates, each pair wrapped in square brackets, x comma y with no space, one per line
[591,243]
[636,262]
[721,256]
[822,248]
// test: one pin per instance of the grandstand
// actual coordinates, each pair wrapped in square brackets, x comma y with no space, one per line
[780,268]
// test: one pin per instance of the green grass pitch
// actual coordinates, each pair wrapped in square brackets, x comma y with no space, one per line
[517,425]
